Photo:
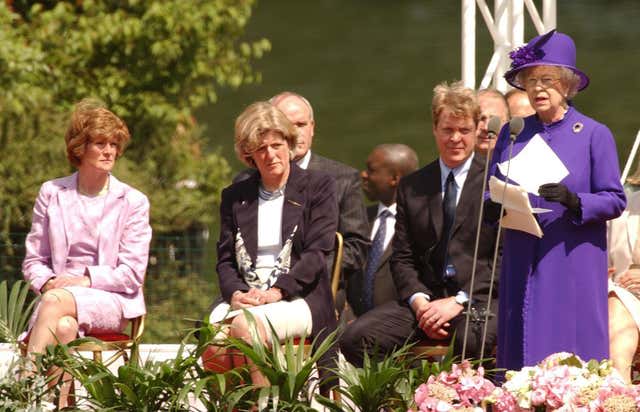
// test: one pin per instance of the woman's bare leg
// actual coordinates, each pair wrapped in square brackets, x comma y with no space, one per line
[623,337]
[241,329]
[66,331]
[55,305]
[218,358]
[56,323]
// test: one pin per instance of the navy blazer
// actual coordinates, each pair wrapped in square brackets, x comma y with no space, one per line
[414,264]
[310,203]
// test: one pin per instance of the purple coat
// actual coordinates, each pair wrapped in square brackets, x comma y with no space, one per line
[553,290]
[123,246]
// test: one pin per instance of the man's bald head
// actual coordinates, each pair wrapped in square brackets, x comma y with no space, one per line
[299,112]
[386,164]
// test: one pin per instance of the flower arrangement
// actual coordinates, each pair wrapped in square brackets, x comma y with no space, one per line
[461,389]
[562,382]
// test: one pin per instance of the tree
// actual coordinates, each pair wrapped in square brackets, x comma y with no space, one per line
[153,62]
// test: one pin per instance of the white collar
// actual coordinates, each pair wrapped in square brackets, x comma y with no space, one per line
[303,162]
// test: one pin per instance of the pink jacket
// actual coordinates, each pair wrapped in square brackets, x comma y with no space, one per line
[123,244]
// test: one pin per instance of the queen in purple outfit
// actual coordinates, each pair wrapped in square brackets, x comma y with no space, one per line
[553,289]
[88,246]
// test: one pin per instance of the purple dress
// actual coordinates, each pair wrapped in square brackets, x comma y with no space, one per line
[553,290]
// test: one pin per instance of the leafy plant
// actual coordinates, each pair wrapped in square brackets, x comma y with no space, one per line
[386,384]
[169,385]
[23,390]
[15,310]
[288,368]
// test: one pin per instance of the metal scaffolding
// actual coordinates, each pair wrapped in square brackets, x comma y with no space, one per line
[506,27]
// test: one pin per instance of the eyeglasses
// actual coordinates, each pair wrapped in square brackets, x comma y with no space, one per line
[546,81]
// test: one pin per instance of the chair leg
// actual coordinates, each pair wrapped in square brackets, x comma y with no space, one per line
[337,397]
[97,356]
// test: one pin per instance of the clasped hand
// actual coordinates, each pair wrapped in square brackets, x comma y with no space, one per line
[61,281]
[254,297]
[630,280]
[434,316]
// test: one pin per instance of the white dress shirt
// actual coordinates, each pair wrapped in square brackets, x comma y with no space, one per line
[390,223]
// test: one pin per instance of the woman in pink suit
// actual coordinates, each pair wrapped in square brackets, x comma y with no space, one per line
[88,247]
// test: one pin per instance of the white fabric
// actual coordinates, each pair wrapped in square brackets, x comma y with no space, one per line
[269,235]
[289,318]
[459,175]
[303,162]
[622,239]
[390,223]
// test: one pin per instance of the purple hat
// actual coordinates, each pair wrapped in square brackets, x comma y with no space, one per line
[550,49]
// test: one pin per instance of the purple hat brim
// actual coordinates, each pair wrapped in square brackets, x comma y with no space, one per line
[510,76]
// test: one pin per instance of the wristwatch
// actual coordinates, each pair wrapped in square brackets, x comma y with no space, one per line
[461,298]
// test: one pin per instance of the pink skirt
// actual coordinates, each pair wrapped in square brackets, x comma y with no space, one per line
[98,311]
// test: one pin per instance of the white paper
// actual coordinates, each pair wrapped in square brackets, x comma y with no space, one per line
[535,165]
[516,202]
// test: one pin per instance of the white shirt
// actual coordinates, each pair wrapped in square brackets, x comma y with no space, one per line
[459,175]
[390,223]
[303,162]
[269,235]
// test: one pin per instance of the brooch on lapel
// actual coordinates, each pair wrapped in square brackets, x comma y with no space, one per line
[294,203]
[577,127]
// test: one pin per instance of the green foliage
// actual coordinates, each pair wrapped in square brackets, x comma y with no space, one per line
[287,368]
[168,385]
[387,384]
[173,302]
[173,384]
[153,62]
[22,390]
[15,310]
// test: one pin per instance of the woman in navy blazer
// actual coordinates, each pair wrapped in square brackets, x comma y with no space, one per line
[277,229]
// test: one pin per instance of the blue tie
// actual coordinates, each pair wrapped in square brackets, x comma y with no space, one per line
[375,253]
[449,212]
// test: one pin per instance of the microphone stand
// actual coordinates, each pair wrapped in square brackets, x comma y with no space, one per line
[515,127]
[494,124]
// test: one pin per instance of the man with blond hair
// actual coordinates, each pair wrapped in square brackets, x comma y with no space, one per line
[433,247]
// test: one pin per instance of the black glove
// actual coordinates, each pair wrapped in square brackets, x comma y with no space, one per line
[492,211]
[557,192]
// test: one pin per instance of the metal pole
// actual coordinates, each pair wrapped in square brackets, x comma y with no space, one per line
[549,14]
[469,43]
[632,156]
[517,24]
[535,17]
[502,19]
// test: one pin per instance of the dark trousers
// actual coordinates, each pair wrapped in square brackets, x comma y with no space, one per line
[387,327]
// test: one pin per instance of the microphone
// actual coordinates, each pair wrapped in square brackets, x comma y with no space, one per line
[516,124]
[515,127]
[493,129]
[494,126]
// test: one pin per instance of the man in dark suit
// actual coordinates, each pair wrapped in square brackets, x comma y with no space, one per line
[433,246]
[373,285]
[352,220]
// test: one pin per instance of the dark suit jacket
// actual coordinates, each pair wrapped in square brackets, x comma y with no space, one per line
[384,289]
[415,266]
[310,204]
[352,221]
